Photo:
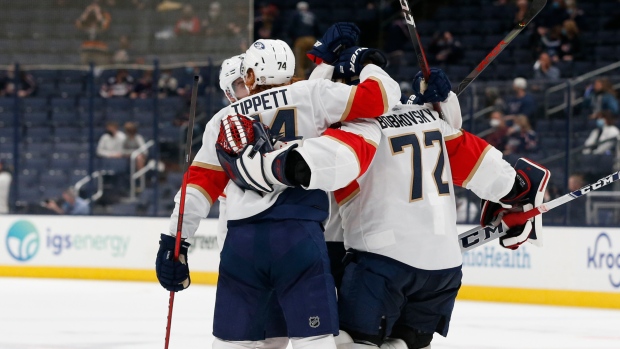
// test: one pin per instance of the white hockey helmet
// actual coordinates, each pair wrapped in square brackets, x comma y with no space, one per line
[229,73]
[272,61]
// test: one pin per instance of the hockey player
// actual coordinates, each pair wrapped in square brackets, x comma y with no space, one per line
[399,217]
[231,83]
[275,242]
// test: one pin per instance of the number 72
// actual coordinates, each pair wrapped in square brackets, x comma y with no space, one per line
[398,145]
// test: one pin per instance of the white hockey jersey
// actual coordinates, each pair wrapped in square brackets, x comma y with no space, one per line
[403,206]
[306,109]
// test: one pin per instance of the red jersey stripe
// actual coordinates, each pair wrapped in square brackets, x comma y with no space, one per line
[209,182]
[465,152]
[363,149]
[367,100]
[347,193]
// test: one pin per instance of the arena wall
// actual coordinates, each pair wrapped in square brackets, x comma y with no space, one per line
[576,266]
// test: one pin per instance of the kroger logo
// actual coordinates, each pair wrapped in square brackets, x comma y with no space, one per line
[602,256]
[22,241]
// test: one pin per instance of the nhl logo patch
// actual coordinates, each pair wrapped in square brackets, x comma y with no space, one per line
[314,321]
[263,80]
[259,45]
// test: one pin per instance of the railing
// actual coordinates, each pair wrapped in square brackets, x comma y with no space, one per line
[571,83]
[95,175]
[140,174]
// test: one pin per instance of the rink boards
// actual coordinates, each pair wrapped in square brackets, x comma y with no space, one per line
[576,266]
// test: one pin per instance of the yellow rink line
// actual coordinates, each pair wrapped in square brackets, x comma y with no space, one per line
[474,293]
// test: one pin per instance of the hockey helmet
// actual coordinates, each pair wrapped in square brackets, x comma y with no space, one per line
[229,73]
[272,61]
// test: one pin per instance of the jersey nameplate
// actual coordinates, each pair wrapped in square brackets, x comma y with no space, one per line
[413,117]
[262,101]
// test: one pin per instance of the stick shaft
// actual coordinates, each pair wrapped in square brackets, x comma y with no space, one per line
[535,7]
[418,49]
[188,155]
[481,235]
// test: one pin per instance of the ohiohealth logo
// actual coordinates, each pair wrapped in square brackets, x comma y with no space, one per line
[602,256]
[22,241]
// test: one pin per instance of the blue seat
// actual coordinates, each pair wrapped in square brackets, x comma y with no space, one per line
[117,166]
[35,119]
[121,116]
[67,133]
[66,118]
[38,134]
[30,194]
[62,104]
[71,147]
[71,89]
[124,209]
[71,76]
[144,118]
[31,104]
[36,164]
[119,104]
[54,180]
[143,105]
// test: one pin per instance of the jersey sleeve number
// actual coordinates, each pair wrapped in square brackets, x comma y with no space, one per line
[431,139]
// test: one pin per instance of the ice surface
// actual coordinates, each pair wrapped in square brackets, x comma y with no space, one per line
[78,314]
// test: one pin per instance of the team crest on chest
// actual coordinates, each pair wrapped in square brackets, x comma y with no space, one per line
[314,321]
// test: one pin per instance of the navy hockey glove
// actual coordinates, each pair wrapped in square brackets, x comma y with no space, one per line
[338,37]
[435,90]
[172,275]
[527,193]
[352,61]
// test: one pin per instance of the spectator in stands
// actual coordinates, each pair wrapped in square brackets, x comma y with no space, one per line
[71,204]
[554,14]
[571,48]
[522,7]
[188,24]
[215,23]
[600,96]
[27,84]
[522,102]
[144,86]
[186,80]
[119,85]
[550,42]
[605,131]
[493,99]
[121,55]
[396,39]
[522,139]
[94,21]
[544,68]
[5,187]
[167,84]
[303,29]
[133,141]
[445,49]
[576,14]
[498,136]
[266,23]
[111,142]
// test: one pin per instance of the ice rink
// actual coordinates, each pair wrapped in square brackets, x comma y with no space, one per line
[71,314]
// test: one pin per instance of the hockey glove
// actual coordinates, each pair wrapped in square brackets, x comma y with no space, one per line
[527,193]
[172,275]
[352,61]
[338,37]
[435,90]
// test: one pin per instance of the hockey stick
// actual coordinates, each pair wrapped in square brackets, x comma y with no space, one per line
[535,7]
[418,49]
[481,235]
[188,155]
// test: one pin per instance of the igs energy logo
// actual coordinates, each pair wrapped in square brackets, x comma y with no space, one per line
[603,256]
[22,241]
